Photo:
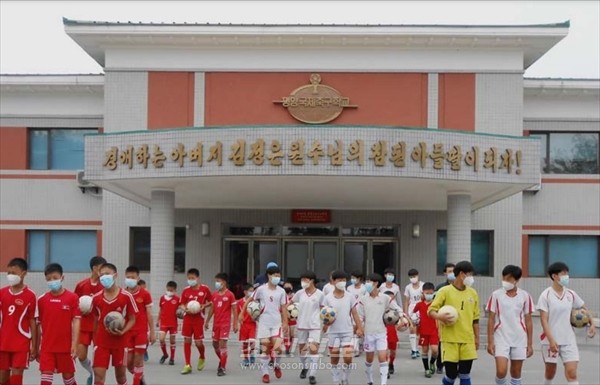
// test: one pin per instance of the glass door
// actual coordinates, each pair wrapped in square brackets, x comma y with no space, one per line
[355,256]
[264,251]
[384,256]
[237,265]
[295,260]
[324,259]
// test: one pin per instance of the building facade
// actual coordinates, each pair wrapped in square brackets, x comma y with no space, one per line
[223,147]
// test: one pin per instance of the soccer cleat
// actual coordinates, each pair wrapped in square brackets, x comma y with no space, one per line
[428,373]
[200,364]
[391,369]
[312,380]
[266,379]
[277,371]
[220,372]
[146,356]
[252,359]
[163,359]
[414,355]
[171,362]
[418,353]
[187,369]
[439,371]
[142,382]
[245,362]
[303,373]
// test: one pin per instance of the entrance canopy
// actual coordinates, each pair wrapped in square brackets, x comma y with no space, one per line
[335,167]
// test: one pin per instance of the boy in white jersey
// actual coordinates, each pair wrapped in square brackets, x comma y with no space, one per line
[558,339]
[272,322]
[412,293]
[389,285]
[373,305]
[329,286]
[308,325]
[339,333]
[510,328]
[357,290]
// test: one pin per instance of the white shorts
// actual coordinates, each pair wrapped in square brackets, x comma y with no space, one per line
[375,342]
[337,340]
[308,335]
[512,353]
[263,331]
[567,353]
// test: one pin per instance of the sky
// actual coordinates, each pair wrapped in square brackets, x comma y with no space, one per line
[32,37]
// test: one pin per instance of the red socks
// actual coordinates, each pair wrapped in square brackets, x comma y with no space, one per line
[187,352]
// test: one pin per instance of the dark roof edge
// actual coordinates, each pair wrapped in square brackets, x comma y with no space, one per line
[72,22]
[46,74]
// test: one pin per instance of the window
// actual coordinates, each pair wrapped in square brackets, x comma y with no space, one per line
[579,252]
[139,254]
[482,251]
[57,149]
[569,152]
[71,248]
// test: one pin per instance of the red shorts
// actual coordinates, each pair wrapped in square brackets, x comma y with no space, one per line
[168,329]
[85,338]
[193,329]
[102,357]
[221,332]
[392,343]
[136,340]
[247,332]
[14,360]
[57,362]
[429,340]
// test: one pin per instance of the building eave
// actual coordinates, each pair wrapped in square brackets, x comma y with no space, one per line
[51,82]
[561,86]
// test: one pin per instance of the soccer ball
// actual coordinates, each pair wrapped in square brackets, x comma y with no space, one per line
[447,309]
[180,313]
[193,307]
[328,315]
[579,318]
[114,321]
[293,311]
[415,318]
[254,309]
[85,304]
[391,317]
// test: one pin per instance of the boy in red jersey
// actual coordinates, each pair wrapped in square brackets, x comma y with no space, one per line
[137,338]
[167,321]
[58,327]
[392,338]
[223,305]
[247,326]
[18,332]
[111,343]
[428,332]
[193,324]
[88,286]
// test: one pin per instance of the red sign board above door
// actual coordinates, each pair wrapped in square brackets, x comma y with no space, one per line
[311,216]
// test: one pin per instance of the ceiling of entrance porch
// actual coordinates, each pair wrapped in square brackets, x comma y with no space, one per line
[326,192]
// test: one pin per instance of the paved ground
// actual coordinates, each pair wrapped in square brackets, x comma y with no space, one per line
[407,371]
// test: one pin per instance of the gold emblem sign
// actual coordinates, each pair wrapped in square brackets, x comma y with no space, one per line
[315,103]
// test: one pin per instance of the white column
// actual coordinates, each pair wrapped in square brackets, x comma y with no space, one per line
[162,241]
[459,227]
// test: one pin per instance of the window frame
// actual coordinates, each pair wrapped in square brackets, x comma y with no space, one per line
[47,248]
[546,261]
[491,250]
[49,152]
[131,259]
[547,134]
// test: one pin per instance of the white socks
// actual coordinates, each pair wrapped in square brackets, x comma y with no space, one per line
[369,371]
[501,381]
[383,372]
[413,342]
[87,365]
[314,364]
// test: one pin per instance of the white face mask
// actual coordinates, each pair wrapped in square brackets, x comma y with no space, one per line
[414,280]
[341,285]
[249,294]
[168,294]
[304,284]
[469,281]
[13,279]
[507,285]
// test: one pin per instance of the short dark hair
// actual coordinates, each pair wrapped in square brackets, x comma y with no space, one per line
[358,274]
[512,270]
[172,284]
[389,270]
[133,269]
[273,270]
[428,286]
[96,260]
[194,271]
[21,263]
[463,267]
[556,268]
[447,265]
[375,277]
[248,287]
[53,268]
[388,292]
[339,274]
[413,272]
[222,276]
[141,282]
[310,275]
[109,265]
